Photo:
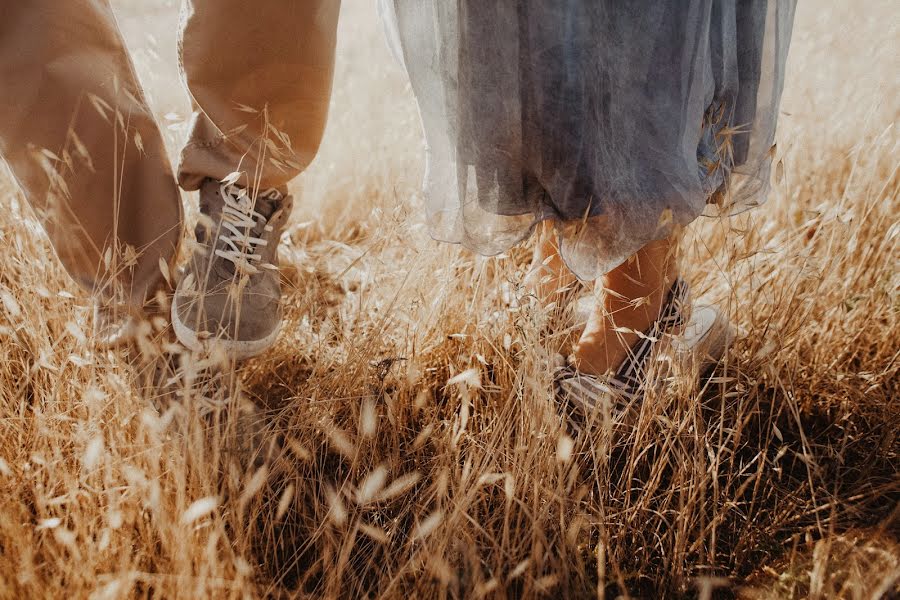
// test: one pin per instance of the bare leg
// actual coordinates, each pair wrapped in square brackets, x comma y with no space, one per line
[635,292]
[549,279]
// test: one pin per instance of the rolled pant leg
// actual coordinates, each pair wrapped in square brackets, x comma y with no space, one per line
[260,75]
[83,145]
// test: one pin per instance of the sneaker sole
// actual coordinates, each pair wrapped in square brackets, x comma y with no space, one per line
[239,350]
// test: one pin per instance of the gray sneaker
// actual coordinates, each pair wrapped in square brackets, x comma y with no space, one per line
[231,292]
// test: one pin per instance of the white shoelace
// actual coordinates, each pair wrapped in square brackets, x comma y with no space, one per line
[238,221]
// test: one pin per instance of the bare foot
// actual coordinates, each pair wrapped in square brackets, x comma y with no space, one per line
[549,279]
[633,298]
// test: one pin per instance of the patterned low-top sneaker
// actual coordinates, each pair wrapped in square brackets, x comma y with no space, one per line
[698,332]
[231,292]
[610,397]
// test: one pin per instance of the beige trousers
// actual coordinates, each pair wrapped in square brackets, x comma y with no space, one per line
[83,145]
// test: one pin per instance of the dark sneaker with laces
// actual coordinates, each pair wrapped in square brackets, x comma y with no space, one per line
[231,292]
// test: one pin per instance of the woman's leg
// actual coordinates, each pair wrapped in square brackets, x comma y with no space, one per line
[630,298]
[634,295]
[548,277]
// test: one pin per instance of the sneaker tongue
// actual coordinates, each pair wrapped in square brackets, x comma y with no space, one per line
[267,206]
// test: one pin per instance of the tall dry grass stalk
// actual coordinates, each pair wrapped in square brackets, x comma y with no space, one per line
[401,440]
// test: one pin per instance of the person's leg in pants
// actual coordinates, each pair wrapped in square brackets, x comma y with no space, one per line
[260,76]
[82,144]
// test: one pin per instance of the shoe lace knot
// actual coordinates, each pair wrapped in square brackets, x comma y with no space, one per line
[243,227]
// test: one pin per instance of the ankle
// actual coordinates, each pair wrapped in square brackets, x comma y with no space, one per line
[638,304]
[548,276]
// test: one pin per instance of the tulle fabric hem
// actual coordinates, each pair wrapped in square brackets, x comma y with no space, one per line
[594,245]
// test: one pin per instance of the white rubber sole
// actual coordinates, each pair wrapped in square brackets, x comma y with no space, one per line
[237,350]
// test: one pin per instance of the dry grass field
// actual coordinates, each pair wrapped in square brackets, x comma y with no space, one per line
[409,443]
